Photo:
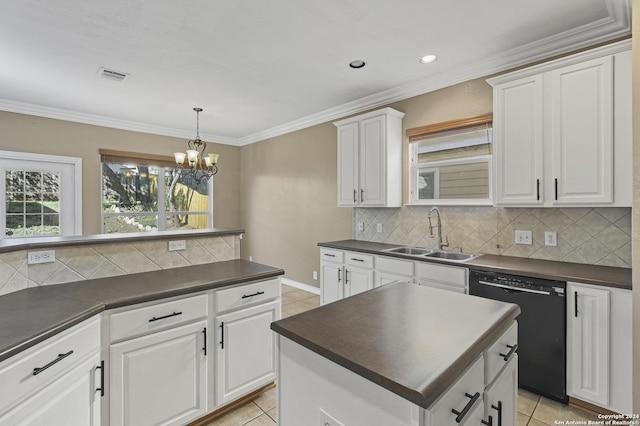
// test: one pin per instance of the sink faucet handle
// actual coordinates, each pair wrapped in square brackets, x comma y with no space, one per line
[445,243]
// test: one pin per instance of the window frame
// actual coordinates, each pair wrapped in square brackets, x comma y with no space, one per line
[422,133]
[66,228]
[162,163]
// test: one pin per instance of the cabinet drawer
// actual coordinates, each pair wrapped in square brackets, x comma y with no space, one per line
[499,354]
[149,319]
[246,294]
[455,398]
[329,255]
[396,266]
[358,259]
[47,361]
[441,273]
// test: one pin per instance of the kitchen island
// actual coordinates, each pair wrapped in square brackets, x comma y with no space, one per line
[400,354]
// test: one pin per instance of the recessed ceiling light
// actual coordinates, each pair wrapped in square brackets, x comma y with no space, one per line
[428,59]
[358,63]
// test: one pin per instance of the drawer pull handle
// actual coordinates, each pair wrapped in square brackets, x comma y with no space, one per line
[101,388]
[257,293]
[357,260]
[512,349]
[460,414]
[499,409]
[39,370]
[487,422]
[175,314]
[330,255]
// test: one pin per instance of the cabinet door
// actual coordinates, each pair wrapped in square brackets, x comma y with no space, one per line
[71,400]
[501,399]
[357,280]
[331,282]
[348,187]
[518,134]
[372,162]
[582,132]
[245,351]
[588,312]
[159,378]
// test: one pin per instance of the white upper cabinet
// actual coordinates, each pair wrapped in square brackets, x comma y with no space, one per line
[582,132]
[557,141]
[370,160]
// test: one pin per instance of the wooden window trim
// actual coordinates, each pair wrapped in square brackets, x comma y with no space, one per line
[125,157]
[420,133]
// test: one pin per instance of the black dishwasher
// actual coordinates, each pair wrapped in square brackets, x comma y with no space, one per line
[541,327]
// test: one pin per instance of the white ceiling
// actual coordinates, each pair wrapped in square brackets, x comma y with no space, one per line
[260,68]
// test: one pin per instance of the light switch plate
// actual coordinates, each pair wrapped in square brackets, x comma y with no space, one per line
[379,228]
[524,237]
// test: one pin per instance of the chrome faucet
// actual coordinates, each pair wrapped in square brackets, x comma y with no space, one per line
[441,244]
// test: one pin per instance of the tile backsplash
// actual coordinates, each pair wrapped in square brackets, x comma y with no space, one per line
[77,263]
[599,236]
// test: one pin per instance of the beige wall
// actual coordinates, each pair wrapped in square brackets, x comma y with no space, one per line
[289,197]
[27,133]
[289,183]
[636,205]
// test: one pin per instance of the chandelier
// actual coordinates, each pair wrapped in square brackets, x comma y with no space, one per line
[202,166]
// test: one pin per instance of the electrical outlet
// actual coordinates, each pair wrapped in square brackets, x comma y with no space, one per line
[325,419]
[250,258]
[42,256]
[379,228]
[177,245]
[524,237]
[360,226]
[315,275]
[550,238]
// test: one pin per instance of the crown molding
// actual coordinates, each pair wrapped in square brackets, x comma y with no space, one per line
[104,121]
[616,26]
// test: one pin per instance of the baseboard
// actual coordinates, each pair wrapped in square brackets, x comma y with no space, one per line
[301,286]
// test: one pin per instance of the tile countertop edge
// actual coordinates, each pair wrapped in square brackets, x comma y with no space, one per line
[607,276]
[429,391]
[89,306]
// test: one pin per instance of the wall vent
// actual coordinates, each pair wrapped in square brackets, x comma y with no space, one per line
[111,74]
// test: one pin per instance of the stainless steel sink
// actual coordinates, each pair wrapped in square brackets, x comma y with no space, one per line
[412,251]
[450,255]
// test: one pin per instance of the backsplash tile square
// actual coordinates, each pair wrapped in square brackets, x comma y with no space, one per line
[585,235]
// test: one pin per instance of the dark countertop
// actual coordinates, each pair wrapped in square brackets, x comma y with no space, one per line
[413,340]
[30,316]
[563,271]
[34,243]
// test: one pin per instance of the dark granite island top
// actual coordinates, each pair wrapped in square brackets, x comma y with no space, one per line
[30,316]
[412,340]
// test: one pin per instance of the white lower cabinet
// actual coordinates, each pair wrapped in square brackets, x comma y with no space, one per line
[344,274]
[599,346]
[56,382]
[501,398]
[245,351]
[389,269]
[160,378]
[444,277]
[71,400]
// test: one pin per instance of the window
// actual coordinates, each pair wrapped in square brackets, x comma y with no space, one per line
[42,195]
[451,162]
[142,193]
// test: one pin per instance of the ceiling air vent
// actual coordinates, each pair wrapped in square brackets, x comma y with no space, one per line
[111,74]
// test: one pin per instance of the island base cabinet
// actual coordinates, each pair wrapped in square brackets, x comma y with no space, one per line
[72,400]
[159,378]
[501,398]
[245,351]
[309,383]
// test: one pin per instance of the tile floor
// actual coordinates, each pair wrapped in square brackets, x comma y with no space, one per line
[533,410]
